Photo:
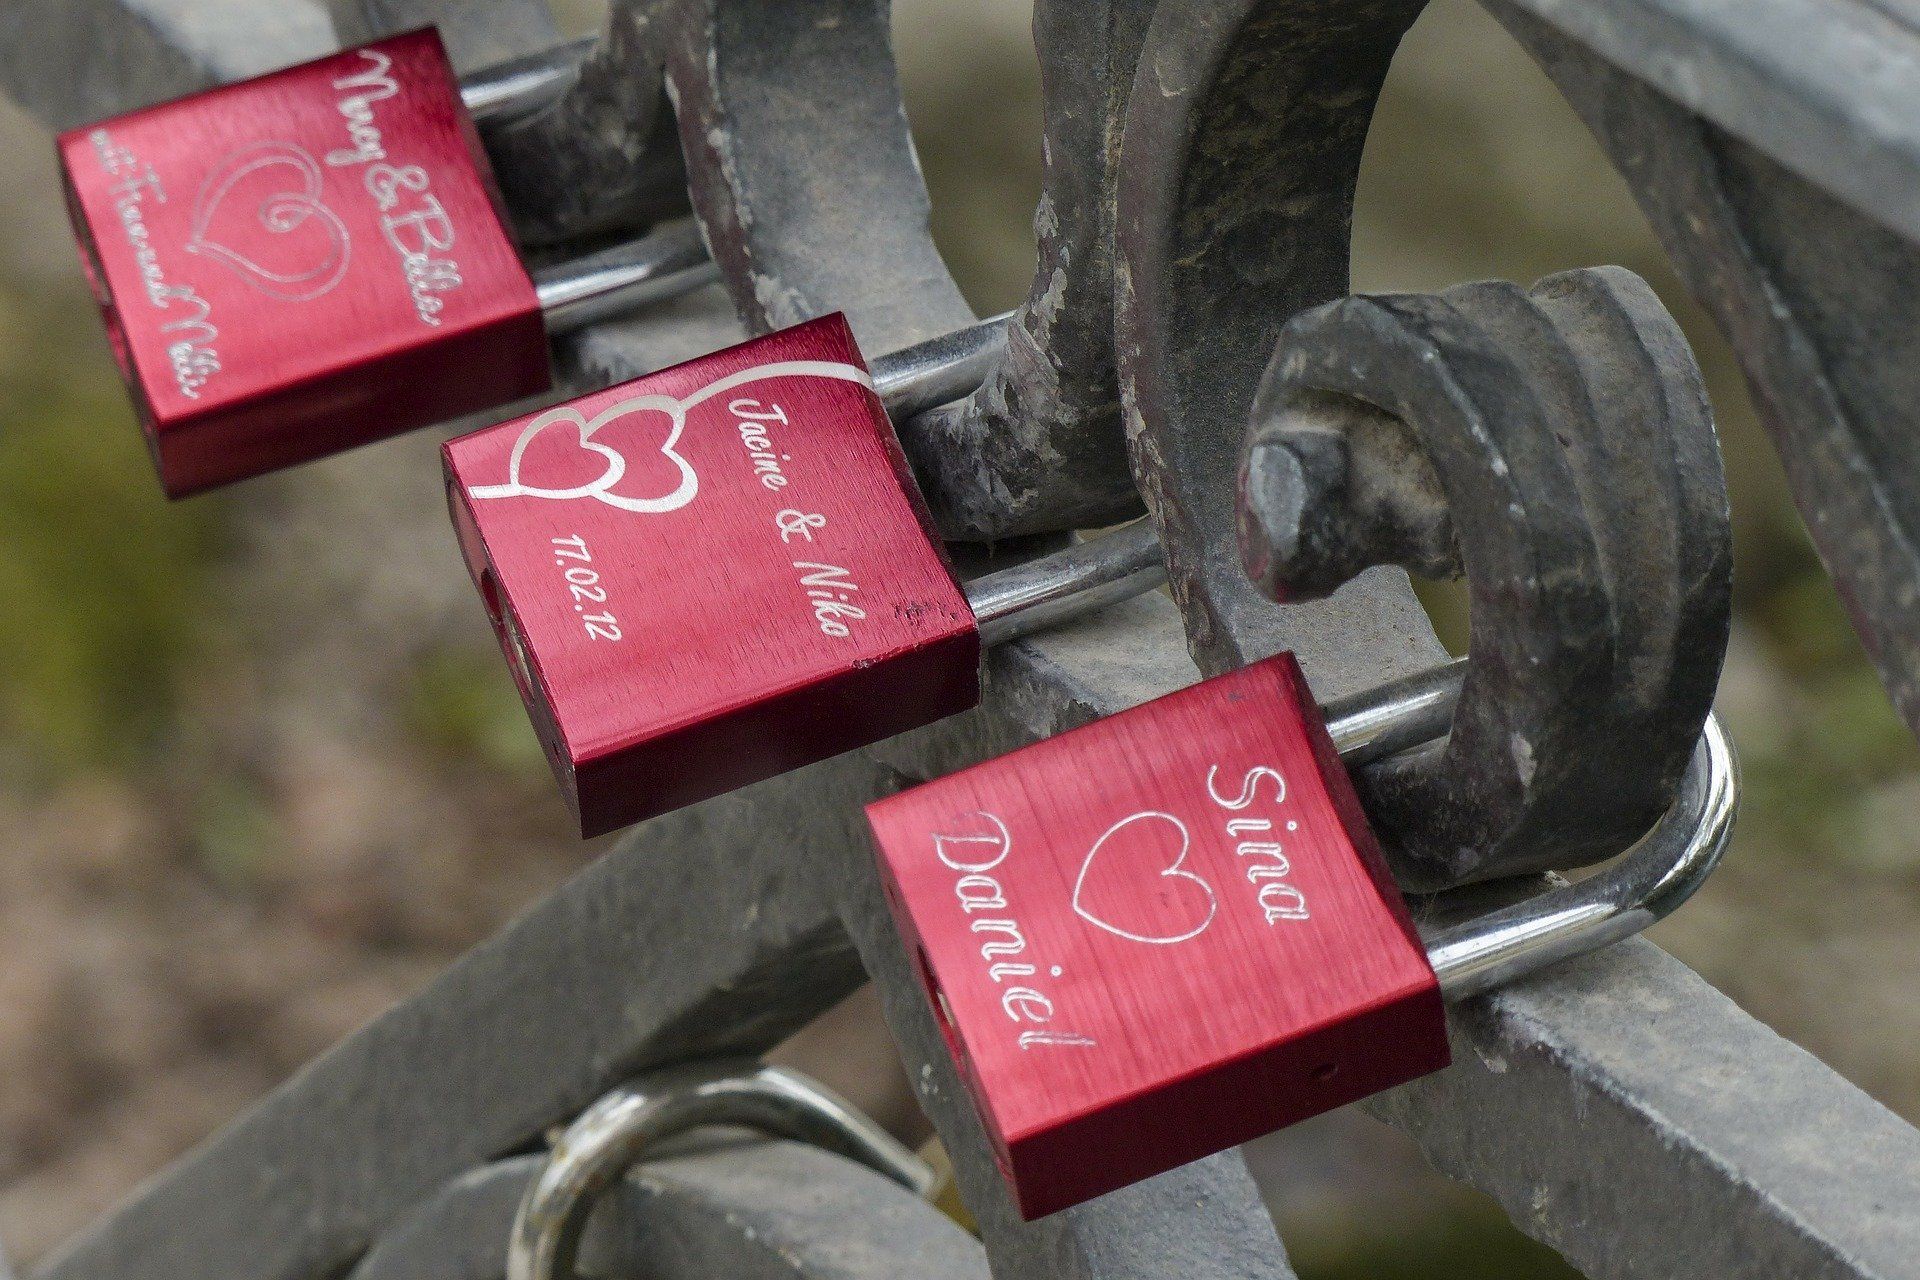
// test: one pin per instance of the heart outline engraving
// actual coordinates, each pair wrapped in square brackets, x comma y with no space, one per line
[1173,870]
[281,213]
[676,408]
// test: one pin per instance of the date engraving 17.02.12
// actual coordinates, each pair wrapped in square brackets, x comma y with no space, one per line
[583,583]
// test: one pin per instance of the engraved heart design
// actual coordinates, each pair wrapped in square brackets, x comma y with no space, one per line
[614,467]
[1132,888]
[569,463]
[311,246]
[557,440]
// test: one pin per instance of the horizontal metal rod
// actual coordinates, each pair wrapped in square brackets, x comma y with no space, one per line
[668,261]
[939,370]
[1376,723]
[515,89]
[1050,589]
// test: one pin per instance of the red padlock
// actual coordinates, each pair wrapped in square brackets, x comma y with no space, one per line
[723,571]
[1159,935]
[316,258]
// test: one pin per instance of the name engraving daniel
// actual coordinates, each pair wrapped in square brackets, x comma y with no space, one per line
[1003,946]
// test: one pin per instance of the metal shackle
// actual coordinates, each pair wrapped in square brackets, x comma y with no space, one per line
[669,260]
[627,1125]
[1049,589]
[1643,885]
[504,92]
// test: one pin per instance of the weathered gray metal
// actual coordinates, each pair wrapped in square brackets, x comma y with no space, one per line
[723,928]
[477,33]
[1790,205]
[1235,194]
[73,61]
[1629,1115]
[592,160]
[1555,445]
[603,155]
[1038,448]
[752,1210]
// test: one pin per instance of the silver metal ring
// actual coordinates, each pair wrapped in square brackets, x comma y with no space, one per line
[623,1128]
[1642,886]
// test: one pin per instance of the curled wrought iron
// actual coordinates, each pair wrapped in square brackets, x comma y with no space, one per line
[1555,444]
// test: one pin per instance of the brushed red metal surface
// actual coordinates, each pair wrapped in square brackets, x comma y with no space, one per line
[303,262]
[1159,935]
[712,574]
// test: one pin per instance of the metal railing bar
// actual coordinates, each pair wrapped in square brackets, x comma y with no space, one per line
[1630,1116]
[1825,87]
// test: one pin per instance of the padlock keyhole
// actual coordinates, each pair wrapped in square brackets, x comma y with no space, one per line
[509,633]
[96,274]
[942,1011]
[515,646]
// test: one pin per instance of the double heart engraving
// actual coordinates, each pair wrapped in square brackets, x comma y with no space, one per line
[282,182]
[562,454]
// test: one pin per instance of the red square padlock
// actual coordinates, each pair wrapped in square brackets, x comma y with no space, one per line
[1159,935]
[712,574]
[303,262]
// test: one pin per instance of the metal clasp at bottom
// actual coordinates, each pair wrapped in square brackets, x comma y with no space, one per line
[627,1125]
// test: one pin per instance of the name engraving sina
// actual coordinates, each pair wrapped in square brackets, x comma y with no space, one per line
[1267,867]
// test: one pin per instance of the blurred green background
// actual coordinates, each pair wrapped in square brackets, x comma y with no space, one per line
[263,773]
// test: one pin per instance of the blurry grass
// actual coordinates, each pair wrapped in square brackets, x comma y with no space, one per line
[462,705]
[236,831]
[104,586]
[1480,1244]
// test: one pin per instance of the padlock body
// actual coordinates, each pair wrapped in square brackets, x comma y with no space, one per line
[1158,936]
[713,574]
[304,262]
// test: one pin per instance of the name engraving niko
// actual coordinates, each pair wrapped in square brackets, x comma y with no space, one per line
[192,355]
[1003,947]
[413,221]
[829,588]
